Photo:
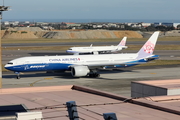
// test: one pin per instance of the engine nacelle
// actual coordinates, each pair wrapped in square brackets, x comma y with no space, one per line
[79,71]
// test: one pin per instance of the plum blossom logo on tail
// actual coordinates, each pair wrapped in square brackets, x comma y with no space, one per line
[149,47]
[122,43]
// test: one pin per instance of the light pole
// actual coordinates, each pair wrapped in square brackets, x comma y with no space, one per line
[2,8]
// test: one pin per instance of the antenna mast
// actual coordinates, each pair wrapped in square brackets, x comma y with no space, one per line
[2,8]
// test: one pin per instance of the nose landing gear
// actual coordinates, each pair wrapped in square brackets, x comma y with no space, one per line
[18,76]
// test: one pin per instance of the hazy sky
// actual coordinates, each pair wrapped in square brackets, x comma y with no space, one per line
[92,9]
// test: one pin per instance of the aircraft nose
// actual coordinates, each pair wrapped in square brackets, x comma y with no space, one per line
[6,66]
[70,51]
[67,51]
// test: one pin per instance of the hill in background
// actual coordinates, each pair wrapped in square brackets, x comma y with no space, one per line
[35,32]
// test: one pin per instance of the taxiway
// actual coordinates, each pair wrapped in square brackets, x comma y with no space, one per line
[116,81]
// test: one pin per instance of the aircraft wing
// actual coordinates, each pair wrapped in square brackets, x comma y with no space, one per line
[99,65]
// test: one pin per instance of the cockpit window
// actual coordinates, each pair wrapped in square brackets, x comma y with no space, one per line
[70,49]
[10,63]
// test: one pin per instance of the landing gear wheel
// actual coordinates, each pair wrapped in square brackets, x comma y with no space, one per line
[94,75]
[18,77]
[97,75]
[90,75]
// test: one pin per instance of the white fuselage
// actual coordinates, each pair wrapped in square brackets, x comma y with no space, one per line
[95,49]
[64,62]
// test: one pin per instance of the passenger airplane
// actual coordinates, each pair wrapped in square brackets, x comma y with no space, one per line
[98,49]
[85,65]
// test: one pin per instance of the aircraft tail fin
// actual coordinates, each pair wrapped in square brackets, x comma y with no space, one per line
[123,42]
[149,46]
[121,45]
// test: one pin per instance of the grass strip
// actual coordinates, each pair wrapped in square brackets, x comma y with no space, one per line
[46,40]
[130,47]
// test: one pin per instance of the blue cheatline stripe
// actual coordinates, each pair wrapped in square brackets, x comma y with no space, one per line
[39,67]
[133,63]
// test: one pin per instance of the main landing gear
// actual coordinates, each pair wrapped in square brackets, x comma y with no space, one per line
[94,74]
[18,76]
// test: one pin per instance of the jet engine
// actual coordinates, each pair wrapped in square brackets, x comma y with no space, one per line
[78,71]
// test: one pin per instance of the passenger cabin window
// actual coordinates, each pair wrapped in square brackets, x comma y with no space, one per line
[10,63]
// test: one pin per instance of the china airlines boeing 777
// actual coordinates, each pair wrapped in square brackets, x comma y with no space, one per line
[85,65]
[98,49]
